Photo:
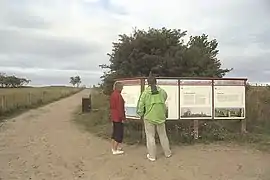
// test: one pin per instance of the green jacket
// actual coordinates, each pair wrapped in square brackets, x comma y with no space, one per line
[152,107]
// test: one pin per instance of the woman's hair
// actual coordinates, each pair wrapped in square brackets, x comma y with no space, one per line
[117,85]
[152,82]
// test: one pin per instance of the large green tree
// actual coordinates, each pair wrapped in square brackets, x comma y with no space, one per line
[164,51]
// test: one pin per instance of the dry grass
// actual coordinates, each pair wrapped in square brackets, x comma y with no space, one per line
[14,100]
[258,123]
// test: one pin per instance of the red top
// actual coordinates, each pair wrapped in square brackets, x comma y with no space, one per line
[117,107]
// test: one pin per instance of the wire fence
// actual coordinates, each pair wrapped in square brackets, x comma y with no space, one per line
[20,99]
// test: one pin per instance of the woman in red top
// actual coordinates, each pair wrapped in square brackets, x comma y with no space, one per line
[117,109]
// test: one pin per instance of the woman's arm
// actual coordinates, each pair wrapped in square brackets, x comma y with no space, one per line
[122,107]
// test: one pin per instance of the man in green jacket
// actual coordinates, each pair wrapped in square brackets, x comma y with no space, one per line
[152,108]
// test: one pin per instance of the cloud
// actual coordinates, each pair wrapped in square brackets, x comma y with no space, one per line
[43,45]
[48,41]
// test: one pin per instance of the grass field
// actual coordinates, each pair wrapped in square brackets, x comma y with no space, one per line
[181,132]
[13,100]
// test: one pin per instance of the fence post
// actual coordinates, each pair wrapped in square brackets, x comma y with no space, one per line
[43,97]
[196,129]
[3,98]
[29,99]
[14,104]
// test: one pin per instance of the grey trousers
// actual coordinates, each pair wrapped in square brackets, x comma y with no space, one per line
[150,131]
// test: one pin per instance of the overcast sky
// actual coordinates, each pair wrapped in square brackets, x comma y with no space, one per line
[48,41]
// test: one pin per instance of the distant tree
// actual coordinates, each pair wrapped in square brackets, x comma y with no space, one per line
[2,79]
[12,81]
[164,52]
[24,81]
[72,81]
[76,80]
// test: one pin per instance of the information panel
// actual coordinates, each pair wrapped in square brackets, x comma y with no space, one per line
[195,99]
[229,99]
[171,88]
[131,93]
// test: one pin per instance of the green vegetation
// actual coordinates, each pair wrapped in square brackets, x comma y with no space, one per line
[16,100]
[164,52]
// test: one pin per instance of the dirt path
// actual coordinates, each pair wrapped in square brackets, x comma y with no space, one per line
[44,144]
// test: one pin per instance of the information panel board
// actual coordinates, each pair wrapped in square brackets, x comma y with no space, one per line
[171,88]
[131,93]
[195,99]
[229,99]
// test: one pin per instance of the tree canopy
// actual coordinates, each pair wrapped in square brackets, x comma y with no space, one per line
[7,81]
[165,52]
[76,80]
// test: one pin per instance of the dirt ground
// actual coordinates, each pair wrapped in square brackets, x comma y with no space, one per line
[44,144]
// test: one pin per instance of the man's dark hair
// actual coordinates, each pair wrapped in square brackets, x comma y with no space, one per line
[152,82]
[155,71]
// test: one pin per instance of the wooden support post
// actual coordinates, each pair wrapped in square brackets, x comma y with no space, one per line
[243,126]
[43,96]
[29,99]
[3,104]
[196,129]
[14,102]
[176,130]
